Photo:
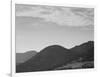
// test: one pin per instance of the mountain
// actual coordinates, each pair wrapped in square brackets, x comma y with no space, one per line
[22,57]
[55,56]
[85,50]
[85,54]
[47,59]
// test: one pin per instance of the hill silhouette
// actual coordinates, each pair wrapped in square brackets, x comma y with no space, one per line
[22,57]
[85,50]
[55,56]
[85,54]
[48,58]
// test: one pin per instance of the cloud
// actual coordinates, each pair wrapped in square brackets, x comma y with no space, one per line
[63,16]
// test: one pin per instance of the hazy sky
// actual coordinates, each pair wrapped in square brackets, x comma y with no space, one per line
[38,26]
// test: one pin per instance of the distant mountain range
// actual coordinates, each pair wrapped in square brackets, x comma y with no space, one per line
[22,57]
[56,56]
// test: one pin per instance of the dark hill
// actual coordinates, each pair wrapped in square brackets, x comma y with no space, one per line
[48,59]
[85,57]
[55,56]
[85,50]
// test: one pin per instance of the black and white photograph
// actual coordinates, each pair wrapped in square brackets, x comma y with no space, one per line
[53,38]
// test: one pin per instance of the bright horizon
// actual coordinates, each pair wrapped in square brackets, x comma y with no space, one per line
[39,26]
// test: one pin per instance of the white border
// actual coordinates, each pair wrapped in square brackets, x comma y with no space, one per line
[54,3]
[78,72]
[13,38]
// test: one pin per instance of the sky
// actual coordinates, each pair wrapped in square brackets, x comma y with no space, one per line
[39,26]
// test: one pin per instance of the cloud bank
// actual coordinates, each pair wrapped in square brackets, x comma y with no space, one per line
[63,16]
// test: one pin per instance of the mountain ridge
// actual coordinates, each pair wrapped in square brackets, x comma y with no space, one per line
[55,56]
